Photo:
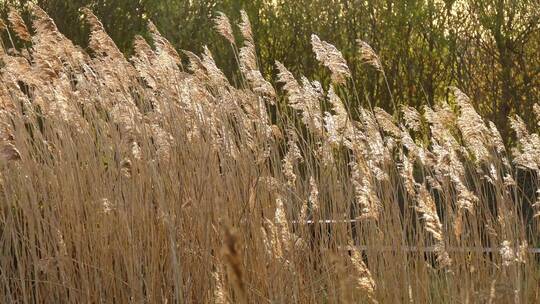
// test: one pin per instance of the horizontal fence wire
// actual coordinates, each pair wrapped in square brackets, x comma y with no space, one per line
[533,250]
[430,249]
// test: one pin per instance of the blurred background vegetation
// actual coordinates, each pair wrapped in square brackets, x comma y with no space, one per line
[488,48]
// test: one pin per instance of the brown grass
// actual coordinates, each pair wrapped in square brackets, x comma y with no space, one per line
[138,181]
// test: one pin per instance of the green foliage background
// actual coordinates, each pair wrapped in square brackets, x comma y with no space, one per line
[488,48]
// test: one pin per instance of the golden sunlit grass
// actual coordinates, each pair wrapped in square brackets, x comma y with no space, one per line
[155,180]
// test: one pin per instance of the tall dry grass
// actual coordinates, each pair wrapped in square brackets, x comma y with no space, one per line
[155,180]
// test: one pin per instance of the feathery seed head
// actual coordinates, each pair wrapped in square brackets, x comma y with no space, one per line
[18,25]
[331,58]
[368,55]
[223,26]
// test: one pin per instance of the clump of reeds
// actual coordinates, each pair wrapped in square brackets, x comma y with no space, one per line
[138,181]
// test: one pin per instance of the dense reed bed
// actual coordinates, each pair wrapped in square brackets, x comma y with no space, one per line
[154,179]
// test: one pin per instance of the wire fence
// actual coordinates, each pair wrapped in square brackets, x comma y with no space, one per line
[431,249]
[533,250]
